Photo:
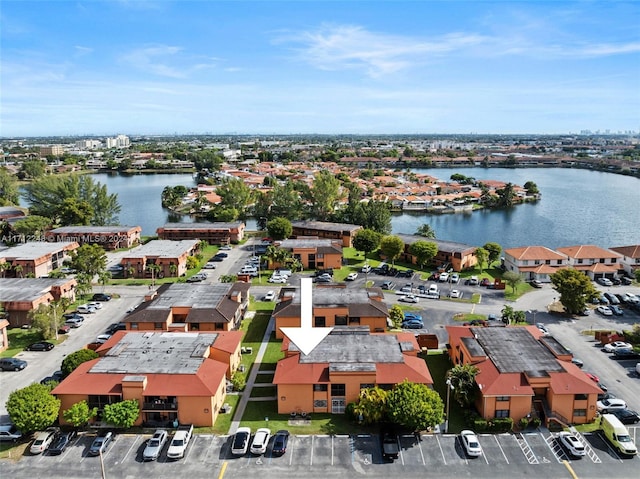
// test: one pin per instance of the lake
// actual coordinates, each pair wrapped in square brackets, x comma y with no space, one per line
[577,207]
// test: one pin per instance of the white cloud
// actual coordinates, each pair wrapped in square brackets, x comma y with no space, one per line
[152,59]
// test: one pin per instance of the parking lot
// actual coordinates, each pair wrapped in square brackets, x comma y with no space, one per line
[535,454]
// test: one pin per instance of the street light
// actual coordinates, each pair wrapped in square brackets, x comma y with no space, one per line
[449,389]
[533,312]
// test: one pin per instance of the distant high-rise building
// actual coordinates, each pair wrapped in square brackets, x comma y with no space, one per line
[88,144]
[120,141]
[51,150]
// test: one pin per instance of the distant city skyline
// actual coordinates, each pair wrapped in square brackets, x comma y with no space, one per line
[144,67]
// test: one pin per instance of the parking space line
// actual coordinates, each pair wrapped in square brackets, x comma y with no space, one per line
[332,450]
[589,450]
[291,455]
[441,451]
[556,449]
[526,449]
[210,448]
[128,451]
[311,455]
[501,450]
[190,447]
[615,453]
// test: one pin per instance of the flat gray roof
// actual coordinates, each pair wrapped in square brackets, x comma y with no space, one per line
[191,295]
[156,353]
[27,289]
[337,296]
[162,248]
[354,349]
[93,229]
[450,246]
[321,225]
[202,226]
[32,250]
[515,350]
[308,243]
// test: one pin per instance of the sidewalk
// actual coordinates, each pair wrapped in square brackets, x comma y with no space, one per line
[244,399]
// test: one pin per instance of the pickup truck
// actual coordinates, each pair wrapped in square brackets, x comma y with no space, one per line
[390,448]
[179,442]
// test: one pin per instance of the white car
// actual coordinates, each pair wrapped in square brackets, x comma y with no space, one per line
[351,276]
[572,444]
[455,293]
[270,296]
[454,278]
[43,440]
[470,442]
[86,309]
[366,268]
[95,305]
[278,279]
[240,443]
[612,347]
[103,338]
[209,265]
[260,441]
[604,310]
[444,277]
[409,298]
[610,404]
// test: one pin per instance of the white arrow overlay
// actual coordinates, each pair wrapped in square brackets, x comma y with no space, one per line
[306,337]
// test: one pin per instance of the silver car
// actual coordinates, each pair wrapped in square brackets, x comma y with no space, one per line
[154,445]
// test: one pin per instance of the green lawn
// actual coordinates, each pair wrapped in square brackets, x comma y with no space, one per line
[438,365]
[264,378]
[21,338]
[272,355]
[223,423]
[261,392]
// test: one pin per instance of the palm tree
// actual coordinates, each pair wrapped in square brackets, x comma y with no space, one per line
[372,405]
[463,380]
[154,268]
[427,231]
[18,270]
[173,269]
[104,277]
[4,267]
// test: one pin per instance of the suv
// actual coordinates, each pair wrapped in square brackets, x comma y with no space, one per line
[9,432]
[43,440]
[101,297]
[388,285]
[12,364]
[241,441]
[572,444]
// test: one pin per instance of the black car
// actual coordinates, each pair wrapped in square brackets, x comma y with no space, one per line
[12,364]
[113,327]
[61,442]
[73,316]
[101,297]
[626,416]
[40,346]
[280,441]
[222,255]
[625,354]
[56,376]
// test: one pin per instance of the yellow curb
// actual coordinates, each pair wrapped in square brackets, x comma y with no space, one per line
[570,469]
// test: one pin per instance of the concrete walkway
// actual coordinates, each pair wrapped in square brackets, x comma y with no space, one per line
[244,399]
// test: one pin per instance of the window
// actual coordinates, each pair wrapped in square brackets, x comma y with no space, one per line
[341,320]
[134,325]
[157,325]
[502,413]
[194,327]
[579,412]
[320,321]
[581,397]
[502,398]
[338,390]
[548,261]
[367,385]
[320,256]
[320,387]
[354,320]
[219,326]
[580,261]
[320,404]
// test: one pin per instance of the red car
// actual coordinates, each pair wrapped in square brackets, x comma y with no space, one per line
[593,377]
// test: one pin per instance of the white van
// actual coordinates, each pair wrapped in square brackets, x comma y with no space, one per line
[617,435]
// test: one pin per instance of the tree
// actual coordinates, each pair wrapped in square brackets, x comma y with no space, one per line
[462,378]
[73,360]
[46,195]
[391,247]
[33,169]
[75,212]
[33,226]
[286,202]
[366,240]
[46,319]
[83,284]
[89,259]
[396,315]
[427,231]
[531,187]
[375,215]
[424,251]
[236,194]
[481,255]
[324,194]
[372,405]
[79,414]
[415,406]
[155,270]
[512,278]
[493,250]
[511,316]
[9,194]
[279,228]
[506,195]
[575,289]
[33,408]
[122,414]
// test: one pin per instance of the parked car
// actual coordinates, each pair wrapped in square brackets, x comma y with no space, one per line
[260,441]
[154,445]
[113,327]
[61,441]
[613,299]
[322,279]
[571,444]
[388,285]
[40,346]
[454,278]
[611,347]
[103,338]
[604,281]
[43,440]
[536,283]
[470,442]
[270,296]
[366,268]
[9,432]
[626,416]
[616,310]
[577,362]
[543,329]
[593,377]
[221,254]
[226,247]
[455,293]
[352,276]
[281,279]
[413,324]
[280,441]
[179,442]
[443,278]
[74,322]
[409,298]
[101,297]
[86,309]
[625,353]
[209,265]
[604,310]
[56,377]
[412,316]
[64,329]
[472,281]
[407,288]
[390,446]
[196,278]
[12,364]
[607,405]
[100,443]
[240,443]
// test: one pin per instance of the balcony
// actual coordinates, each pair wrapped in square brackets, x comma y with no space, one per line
[159,406]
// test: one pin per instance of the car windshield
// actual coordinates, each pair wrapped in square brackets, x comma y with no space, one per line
[177,442]
[473,444]
[239,441]
[624,438]
[154,443]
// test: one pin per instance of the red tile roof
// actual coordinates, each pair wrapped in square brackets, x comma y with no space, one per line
[628,251]
[588,251]
[534,252]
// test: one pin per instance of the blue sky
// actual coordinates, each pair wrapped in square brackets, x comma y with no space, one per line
[163,67]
